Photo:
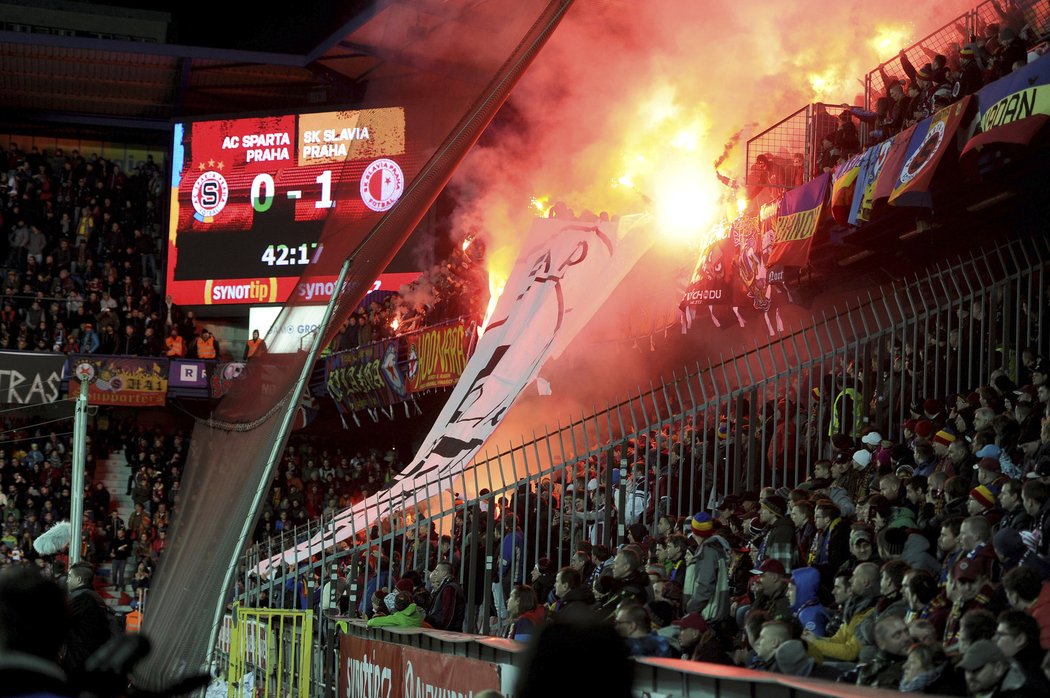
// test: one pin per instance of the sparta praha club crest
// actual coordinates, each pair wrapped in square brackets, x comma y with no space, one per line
[209,196]
[382,184]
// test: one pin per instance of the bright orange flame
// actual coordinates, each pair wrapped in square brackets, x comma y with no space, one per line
[395,323]
[497,280]
[540,203]
[466,242]
[888,39]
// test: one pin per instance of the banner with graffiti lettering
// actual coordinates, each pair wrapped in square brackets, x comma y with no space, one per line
[29,378]
[437,356]
[354,378]
[123,381]
[565,272]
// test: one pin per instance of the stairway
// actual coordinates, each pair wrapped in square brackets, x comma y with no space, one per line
[113,473]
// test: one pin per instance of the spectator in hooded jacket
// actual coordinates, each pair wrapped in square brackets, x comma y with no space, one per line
[805,604]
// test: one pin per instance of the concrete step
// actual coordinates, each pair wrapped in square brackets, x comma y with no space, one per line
[113,472]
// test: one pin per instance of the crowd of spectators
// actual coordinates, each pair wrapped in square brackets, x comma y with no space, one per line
[314,480]
[995,51]
[455,288]
[919,564]
[79,245]
[35,475]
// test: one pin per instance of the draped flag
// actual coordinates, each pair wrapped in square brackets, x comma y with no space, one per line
[844,180]
[932,138]
[796,222]
[899,149]
[567,270]
[870,166]
[1014,108]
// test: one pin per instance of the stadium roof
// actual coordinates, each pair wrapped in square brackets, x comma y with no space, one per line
[87,64]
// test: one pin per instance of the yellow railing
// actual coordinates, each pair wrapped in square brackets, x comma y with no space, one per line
[276,646]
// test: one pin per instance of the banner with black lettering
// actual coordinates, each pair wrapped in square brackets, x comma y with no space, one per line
[796,222]
[565,272]
[1012,109]
[437,355]
[30,378]
[354,378]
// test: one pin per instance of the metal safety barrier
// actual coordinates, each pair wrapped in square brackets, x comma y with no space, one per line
[273,647]
[760,418]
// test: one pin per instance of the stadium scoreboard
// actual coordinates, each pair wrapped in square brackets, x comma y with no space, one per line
[251,196]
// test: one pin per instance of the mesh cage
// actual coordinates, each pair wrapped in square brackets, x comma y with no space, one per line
[1015,15]
[945,41]
[229,465]
[771,153]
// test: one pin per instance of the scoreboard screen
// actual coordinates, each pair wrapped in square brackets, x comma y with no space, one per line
[250,197]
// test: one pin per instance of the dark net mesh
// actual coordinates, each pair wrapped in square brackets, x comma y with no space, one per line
[450,65]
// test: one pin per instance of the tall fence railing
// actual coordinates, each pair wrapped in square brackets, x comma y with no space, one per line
[773,155]
[967,28]
[786,154]
[759,418]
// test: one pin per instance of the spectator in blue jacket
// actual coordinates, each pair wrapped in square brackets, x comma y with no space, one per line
[802,594]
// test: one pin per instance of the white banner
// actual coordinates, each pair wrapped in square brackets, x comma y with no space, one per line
[566,270]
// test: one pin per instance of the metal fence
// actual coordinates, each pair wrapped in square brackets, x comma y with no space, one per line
[968,27]
[760,418]
[786,154]
[773,155]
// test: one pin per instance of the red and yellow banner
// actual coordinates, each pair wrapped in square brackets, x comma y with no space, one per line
[124,381]
[436,357]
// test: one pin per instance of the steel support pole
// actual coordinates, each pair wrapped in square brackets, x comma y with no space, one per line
[76,500]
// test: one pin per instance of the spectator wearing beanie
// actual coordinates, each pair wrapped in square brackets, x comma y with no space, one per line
[983,502]
[924,429]
[990,473]
[779,541]
[933,411]
[973,591]
[709,588]
[1009,548]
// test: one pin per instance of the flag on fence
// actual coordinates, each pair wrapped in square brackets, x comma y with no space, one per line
[887,179]
[1013,109]
[870,166]
[932,138]
[844,180]
[796,222]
